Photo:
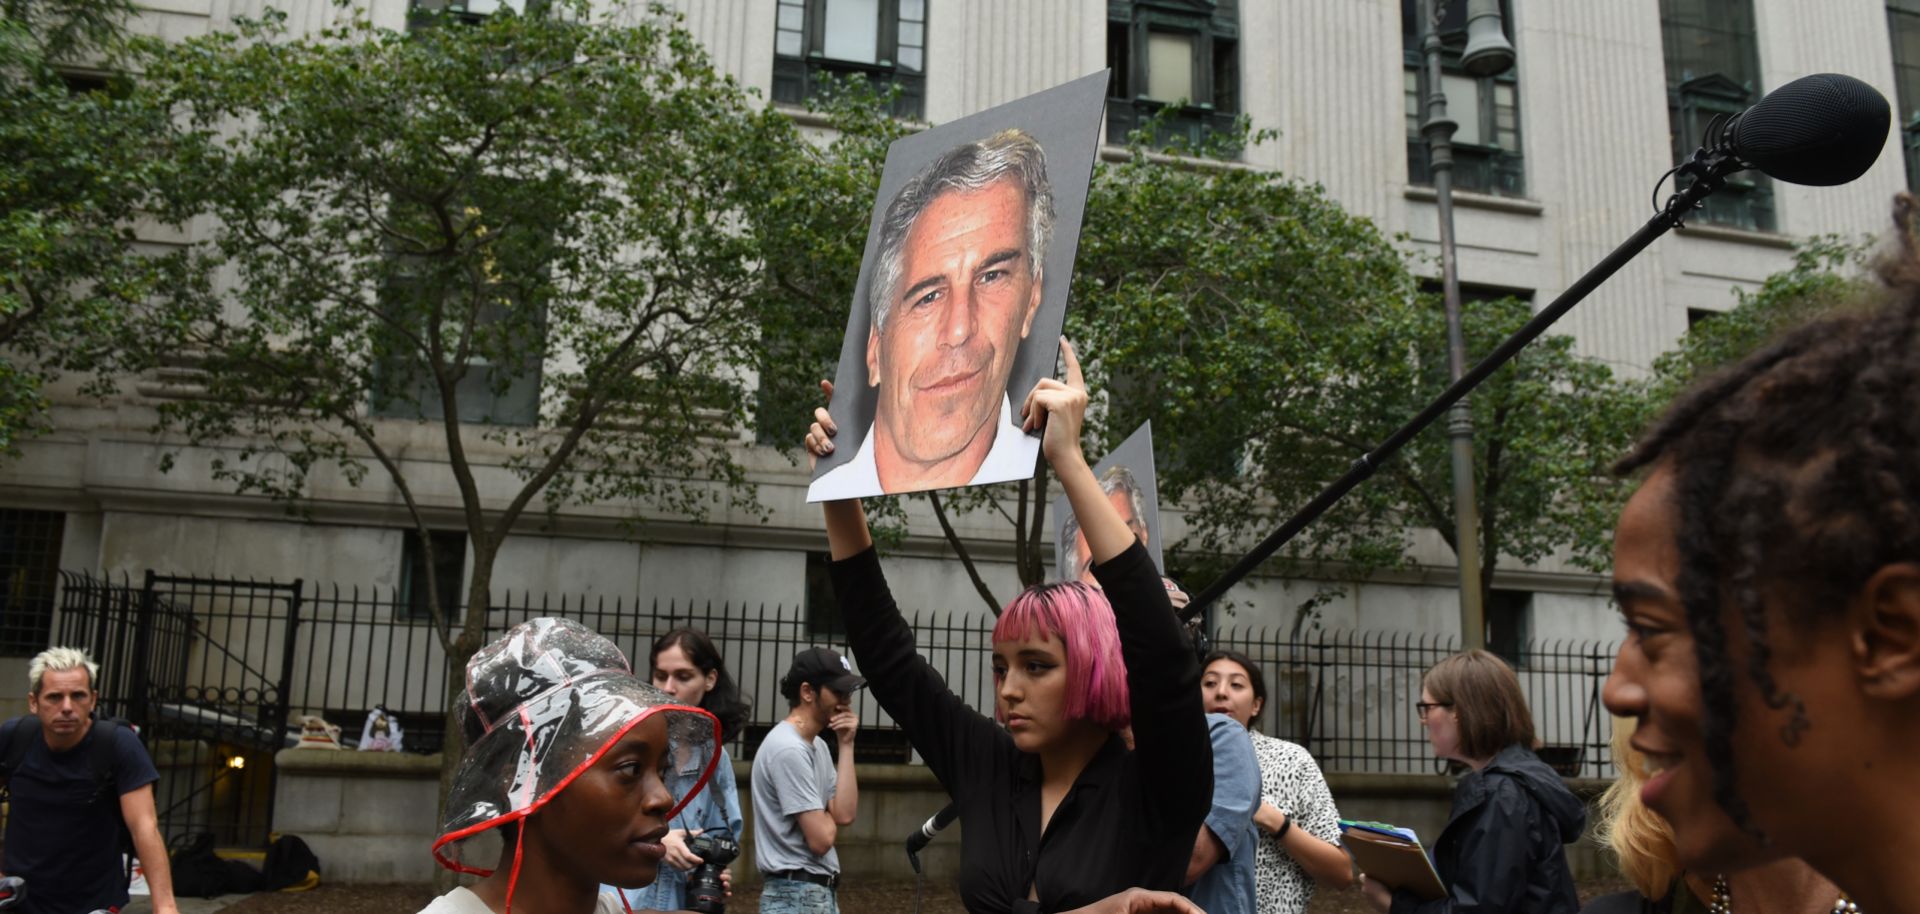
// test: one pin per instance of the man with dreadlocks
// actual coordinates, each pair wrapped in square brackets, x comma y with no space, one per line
[1768,569]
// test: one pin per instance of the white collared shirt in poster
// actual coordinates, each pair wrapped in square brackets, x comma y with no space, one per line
[1012,457]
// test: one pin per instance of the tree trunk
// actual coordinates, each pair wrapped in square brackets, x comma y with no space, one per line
[453,747]
[1036,572]
[966,558]
[472,636]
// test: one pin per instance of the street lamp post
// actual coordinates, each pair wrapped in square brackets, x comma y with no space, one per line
[1487,53]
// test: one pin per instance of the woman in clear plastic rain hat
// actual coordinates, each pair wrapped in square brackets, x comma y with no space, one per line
[561,789]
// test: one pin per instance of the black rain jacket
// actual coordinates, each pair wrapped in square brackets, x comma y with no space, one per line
[1503,848]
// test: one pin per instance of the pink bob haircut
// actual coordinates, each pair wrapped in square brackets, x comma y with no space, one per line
[1081,619]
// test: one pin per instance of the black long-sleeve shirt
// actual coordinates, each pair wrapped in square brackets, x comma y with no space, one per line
[1130,818]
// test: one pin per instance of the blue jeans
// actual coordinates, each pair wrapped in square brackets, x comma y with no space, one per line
[790,896]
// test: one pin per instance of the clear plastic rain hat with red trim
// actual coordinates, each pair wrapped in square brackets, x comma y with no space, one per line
[552,697]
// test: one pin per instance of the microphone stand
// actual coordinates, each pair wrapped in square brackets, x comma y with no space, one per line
[1708,167]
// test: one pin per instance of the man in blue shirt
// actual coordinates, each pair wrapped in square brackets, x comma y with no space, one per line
[1221,871]
[63,824]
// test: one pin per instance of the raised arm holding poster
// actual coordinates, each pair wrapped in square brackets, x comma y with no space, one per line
[962,293]
[1127,476]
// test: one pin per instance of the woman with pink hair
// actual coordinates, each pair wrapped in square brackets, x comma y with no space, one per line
[1073,666]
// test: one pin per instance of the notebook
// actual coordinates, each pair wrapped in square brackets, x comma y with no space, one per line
[1393,857]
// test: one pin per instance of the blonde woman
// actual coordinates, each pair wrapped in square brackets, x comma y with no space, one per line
[1644,845]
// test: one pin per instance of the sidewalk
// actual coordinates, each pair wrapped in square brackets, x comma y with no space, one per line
[143,905]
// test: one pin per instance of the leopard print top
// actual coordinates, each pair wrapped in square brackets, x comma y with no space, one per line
[1290,780]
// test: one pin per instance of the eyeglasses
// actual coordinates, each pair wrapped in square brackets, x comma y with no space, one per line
[1421,708]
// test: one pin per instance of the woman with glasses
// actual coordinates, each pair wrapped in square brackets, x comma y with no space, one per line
[1502,849]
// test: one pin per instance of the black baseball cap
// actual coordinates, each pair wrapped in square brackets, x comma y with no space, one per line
[818,666]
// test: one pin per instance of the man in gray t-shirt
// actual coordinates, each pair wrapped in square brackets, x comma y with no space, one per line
[801,797]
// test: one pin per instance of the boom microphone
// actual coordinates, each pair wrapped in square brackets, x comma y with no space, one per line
[1823,130]
[917,841]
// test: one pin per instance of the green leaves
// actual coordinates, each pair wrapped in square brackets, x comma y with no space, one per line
[1827,272]
[528,238]
[78,162]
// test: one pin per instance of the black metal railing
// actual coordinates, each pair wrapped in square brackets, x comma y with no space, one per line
[1346,696]
[199,665]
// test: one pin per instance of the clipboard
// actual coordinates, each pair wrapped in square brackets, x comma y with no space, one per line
[1393,857]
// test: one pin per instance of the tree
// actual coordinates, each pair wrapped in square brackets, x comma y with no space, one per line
[1276,338]
[79,158]
[522,236]
[1545,429]
[1828,272]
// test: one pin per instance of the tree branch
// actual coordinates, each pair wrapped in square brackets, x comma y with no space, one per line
[966,558]
[441,628]
[583,419]
[993,501]
[15,325]
[1039,570]
[1020,545]
[1437,516]
[1489,505]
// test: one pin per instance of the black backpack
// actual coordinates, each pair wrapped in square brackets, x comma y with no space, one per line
[289,863]
[17,736]
[198,872]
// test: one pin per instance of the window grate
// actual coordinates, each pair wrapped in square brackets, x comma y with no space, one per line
[29,578]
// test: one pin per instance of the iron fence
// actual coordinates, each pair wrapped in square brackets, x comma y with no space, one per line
[199,665]
[1346,696]
[1349,697]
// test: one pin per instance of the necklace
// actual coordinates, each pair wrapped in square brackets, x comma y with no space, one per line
[1722,902]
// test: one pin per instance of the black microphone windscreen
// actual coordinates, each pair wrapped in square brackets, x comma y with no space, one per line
[1823,129]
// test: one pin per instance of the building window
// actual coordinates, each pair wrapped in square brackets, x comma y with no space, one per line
[1903,24]
[487,390]
[1486,147]
[1698,316]
[487,393]
[1509,624]
[823,609]
[1178,54]
[29,578]
[881,41]
[1474,293]
[1713,69]
[446,571]
[425,12]
[79,83]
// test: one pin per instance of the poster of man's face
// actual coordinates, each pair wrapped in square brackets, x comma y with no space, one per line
[961,297]
[1127,478]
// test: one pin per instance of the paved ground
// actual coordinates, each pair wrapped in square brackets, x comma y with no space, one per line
[188,905]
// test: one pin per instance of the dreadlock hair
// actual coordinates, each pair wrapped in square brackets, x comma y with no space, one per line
[1821,429]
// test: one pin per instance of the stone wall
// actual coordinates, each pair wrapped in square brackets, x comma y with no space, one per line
[370,815]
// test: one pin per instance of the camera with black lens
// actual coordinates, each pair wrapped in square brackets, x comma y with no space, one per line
[705,893]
